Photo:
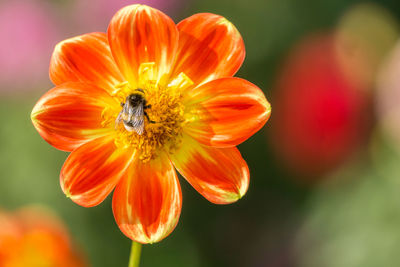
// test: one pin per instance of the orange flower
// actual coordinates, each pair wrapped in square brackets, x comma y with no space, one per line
[142,99]
[32,237]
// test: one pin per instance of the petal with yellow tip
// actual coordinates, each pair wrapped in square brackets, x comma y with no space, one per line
[70,114]
[210,47]
[85,58]
[226,112]
[91,172]
[147,202]
[140,34]
[219,174]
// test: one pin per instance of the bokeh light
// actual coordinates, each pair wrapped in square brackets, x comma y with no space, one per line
[365,34]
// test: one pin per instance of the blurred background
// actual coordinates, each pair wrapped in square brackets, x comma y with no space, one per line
[325,171]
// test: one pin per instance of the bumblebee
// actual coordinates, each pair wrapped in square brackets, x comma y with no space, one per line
[133,112]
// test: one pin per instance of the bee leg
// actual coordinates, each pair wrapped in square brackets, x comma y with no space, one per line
[148,118]
[147,106]
[122,104]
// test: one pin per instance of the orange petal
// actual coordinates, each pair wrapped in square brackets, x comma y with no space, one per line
[86,58]
[70,114]
[91,172]
[147,202]
[219,174]
[210,47]
[228,111]
[141,34]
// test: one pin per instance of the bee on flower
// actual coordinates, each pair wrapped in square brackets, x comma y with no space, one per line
[146,98]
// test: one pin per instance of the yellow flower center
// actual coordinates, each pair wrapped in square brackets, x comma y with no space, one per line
[166,113]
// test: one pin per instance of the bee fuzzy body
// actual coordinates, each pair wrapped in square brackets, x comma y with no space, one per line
[133,112]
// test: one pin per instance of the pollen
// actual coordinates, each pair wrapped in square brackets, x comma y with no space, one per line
[166,111]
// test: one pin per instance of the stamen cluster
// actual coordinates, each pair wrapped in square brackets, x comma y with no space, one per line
[167,111]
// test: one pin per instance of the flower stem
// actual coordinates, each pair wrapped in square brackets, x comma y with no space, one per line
[135,254]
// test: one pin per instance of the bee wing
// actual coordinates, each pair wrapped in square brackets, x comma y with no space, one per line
[122,116]
[118,120]
[136,117]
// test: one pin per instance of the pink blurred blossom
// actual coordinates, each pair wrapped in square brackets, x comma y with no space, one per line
[28,37]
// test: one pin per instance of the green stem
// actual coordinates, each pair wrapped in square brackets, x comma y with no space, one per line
[135,254]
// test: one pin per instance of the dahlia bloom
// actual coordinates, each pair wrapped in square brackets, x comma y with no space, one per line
[35,238]
[196,113]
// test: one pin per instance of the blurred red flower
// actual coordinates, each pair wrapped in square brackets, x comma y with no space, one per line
[320,115]
[33,237]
